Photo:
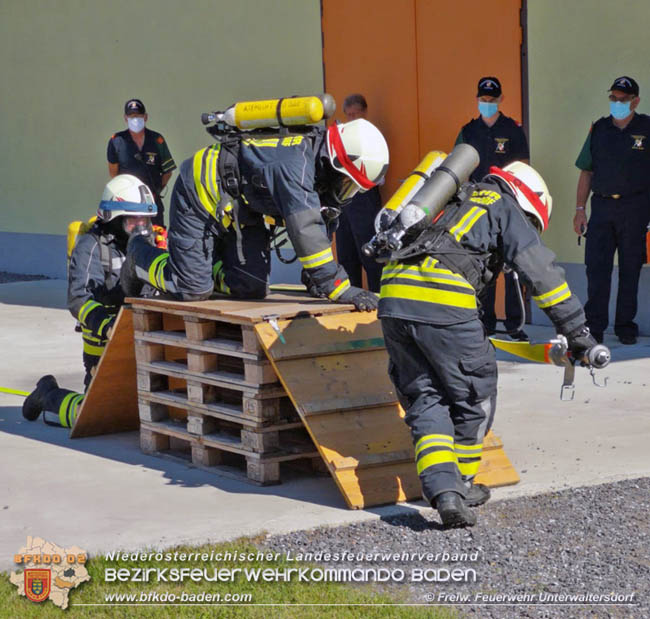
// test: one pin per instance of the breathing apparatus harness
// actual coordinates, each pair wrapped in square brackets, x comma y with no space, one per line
[264,119]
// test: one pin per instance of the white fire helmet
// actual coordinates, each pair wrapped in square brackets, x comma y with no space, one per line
[529,190]
[358,150]
[126,195]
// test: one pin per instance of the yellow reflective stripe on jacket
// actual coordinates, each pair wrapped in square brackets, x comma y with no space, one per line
[93,351]
[103,324]
[437,457]
[156,274]
[68,409]
[262,142]
[87,335]
[339,290]
[555,296]
[86,308]
[317,259]
[466,222]
[469,469]
[433,440]
[204,167]
[428,295]
[425,272]
[438,278]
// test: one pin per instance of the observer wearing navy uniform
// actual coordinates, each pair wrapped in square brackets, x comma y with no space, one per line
[141,152]
[614,164]
[499,140]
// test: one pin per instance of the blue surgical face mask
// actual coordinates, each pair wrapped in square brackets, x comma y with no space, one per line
[619,109]
[135,123]
[487,108]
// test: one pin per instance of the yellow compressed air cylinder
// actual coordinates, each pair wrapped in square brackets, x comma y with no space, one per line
[75,230]
[409,187]
[415,180]
[280,112]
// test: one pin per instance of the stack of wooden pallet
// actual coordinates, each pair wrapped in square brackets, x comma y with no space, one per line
[206,388]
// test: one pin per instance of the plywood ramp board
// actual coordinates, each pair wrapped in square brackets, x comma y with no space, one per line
[334,368]
[111,404]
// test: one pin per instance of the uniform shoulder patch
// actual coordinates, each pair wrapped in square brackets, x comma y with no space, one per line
[160,139]
[484,197]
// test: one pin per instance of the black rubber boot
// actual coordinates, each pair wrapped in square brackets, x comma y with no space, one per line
[35,402]
[477,494]
[453,510]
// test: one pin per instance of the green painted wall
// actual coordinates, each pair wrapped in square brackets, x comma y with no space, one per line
[68,66]
[576,49]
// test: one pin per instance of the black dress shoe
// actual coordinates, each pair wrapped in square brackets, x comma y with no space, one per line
[453,511]
[477,495]
[628,340]
[35,401]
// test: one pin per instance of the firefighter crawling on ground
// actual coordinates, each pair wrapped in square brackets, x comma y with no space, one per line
[218,240]
[94,292]
[443,244]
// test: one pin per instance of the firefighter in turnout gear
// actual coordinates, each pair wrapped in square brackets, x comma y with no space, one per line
[441,362]
[217,237]
[94,291]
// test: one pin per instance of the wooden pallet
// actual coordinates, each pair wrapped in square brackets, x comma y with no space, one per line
[224,454]
[334,368]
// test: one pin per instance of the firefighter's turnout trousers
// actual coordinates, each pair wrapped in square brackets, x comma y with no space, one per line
[199,261]
[446,381]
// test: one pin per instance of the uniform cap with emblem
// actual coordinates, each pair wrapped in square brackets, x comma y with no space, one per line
[134,106]
[489,87]
[626,84]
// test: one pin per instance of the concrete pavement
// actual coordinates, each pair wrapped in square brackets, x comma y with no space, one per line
[103,493]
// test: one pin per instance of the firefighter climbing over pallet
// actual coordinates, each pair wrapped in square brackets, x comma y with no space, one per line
[94,292]
[443,241]
[268,162]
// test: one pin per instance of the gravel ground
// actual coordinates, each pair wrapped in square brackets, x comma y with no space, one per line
[593,540]
[7,278]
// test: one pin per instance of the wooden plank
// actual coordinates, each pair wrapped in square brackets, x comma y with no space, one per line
[282,305]
[323,335]
[214,345]
[111,403]
[218,378]
[338,382]
[223,411]
[496,470]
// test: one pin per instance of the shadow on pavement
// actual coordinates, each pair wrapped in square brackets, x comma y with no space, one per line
[125,447]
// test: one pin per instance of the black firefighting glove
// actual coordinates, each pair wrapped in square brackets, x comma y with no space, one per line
[363,300]
[580,341]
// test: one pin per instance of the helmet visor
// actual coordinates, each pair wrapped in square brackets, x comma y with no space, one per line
[346,190]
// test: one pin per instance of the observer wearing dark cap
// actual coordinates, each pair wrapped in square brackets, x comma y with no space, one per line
[499,140]
[614,164]
[141,152]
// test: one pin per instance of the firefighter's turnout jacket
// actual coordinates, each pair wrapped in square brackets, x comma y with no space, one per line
[490,227]
[94,292]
